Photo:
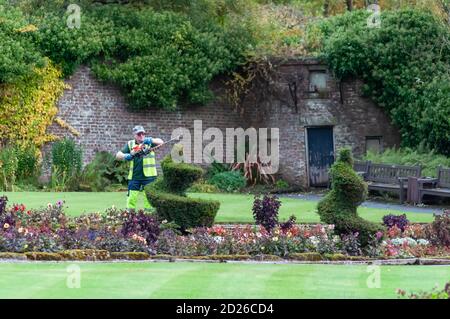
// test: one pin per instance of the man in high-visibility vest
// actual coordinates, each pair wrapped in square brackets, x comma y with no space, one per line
[142,169]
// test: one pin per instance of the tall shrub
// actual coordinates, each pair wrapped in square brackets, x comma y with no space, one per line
[339,206]
[66,164]
[168,196]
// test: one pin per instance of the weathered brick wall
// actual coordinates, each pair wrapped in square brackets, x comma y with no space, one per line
[99,112]
[353,117]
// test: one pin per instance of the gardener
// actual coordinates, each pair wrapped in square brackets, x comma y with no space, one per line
[142,168]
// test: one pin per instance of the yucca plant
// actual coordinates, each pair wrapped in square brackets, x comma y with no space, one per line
[255,171]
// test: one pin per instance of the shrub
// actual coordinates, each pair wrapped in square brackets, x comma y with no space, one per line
[203,187]
[102,172]
[8,168]
[438,232]
[310,256]
[19,55]
[27,163]
[281,184]
[130,255]
[428,160]
[351,245]
[31,100]
[255,171]
[43,256]
[339,206]
[85,254]
[230,181]
[396,220]
[216,168]
[161,59]
[179,176]
[143,225]
[66,164]
[265,211]
[287,225]
[403,70]
[167,195]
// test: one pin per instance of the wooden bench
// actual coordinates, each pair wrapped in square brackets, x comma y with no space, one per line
[361,168]
[385,177]
[440,186]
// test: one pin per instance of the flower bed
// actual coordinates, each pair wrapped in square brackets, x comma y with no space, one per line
[48,234]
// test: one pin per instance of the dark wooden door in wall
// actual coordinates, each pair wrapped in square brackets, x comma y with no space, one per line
[320,154]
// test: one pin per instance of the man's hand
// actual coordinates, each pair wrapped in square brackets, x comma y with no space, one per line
[148,141]
[128,157]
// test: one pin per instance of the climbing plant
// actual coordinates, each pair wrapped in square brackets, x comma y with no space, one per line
[28,106]
[404,64]
[18,56]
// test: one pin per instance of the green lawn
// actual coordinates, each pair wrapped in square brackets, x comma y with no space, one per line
[213,280]
[233,207]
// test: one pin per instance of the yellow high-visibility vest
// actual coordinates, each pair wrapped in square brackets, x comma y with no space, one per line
[149,163]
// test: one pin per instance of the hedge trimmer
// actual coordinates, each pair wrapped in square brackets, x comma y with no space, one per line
[141,150]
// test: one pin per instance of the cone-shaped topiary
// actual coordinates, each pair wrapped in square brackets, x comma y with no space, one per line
[168,196]
[339,206]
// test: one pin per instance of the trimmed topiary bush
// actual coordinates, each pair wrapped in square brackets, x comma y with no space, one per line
[168,196]
[339,206]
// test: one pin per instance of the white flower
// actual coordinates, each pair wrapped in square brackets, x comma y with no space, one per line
[423,242]
[218,239]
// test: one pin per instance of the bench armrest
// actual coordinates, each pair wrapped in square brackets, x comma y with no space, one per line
[432,181]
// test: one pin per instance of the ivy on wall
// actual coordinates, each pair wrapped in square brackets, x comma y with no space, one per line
[405,65]
[28,106]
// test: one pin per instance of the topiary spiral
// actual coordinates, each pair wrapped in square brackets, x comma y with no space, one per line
[339,206]
[168,196]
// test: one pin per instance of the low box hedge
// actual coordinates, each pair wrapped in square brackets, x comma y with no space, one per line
[85,254]
[16,256]
[130,255]
[43,256]
[306,256]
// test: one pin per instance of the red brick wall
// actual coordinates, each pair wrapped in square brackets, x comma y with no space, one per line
[99,112]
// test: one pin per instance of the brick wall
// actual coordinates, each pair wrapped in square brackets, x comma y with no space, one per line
[99,112]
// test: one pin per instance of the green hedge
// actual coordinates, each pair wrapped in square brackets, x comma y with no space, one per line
[167,195]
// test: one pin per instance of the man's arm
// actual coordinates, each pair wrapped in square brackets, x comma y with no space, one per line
[153,141]
[124,154]
[157,141]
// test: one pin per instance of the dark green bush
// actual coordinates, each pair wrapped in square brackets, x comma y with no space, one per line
[102,172]
[339,206]
[404,64]
[230,181]
[18,55]
[66,165]
[167,195]
[179,176]
[67,156]
[27,163]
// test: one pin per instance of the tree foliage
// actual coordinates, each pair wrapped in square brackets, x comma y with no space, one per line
[405,66]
